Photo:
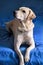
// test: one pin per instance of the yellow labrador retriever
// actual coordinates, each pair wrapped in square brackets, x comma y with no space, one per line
[22,28]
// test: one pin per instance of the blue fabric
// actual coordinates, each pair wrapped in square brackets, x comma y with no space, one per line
[7,54]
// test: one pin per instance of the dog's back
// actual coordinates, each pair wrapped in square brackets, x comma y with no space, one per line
[13,25]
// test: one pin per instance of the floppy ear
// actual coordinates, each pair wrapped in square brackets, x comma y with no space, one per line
[31,14]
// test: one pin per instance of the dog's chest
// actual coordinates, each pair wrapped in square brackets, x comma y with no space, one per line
[26,35]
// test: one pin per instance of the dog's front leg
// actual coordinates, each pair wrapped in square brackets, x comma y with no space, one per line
[32,46]
[17,49]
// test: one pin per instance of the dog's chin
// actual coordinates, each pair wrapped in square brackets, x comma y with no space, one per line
[19,19]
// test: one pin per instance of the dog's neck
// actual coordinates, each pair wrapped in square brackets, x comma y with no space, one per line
[24,22]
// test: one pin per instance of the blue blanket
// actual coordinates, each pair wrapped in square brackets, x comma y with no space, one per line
[7,54]
[9,57]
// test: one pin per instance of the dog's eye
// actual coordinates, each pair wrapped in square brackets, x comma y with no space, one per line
[23,11]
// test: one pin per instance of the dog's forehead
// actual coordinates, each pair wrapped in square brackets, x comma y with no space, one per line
[24,8]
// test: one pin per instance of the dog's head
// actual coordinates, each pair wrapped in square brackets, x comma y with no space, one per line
[24,13]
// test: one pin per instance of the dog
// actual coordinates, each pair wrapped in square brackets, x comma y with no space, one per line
[22,28]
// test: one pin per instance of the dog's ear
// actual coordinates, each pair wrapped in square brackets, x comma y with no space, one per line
[31,14]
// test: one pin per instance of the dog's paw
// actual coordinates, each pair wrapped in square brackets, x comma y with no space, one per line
[27,58]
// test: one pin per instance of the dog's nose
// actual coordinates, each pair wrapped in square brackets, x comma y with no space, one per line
[14,13]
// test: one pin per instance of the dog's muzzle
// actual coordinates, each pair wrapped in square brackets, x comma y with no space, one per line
[14,13]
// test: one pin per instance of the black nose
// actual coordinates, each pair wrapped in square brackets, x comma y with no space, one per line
[14,13]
